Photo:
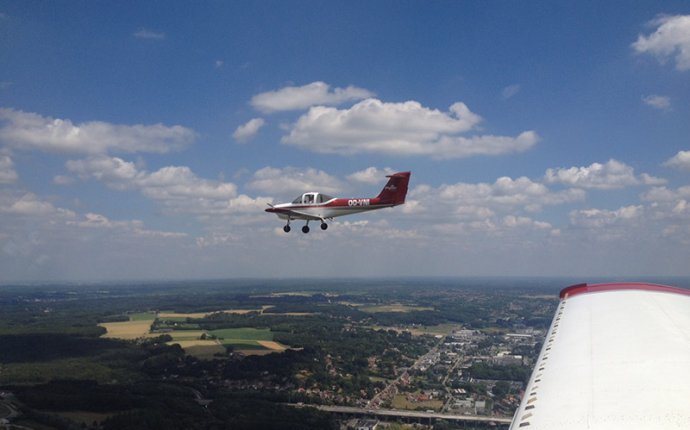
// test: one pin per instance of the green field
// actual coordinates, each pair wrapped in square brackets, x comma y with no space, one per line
[142,316]
[244,344]
[186,335]
[173,319]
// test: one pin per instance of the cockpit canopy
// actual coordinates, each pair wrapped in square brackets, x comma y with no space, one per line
[312,198]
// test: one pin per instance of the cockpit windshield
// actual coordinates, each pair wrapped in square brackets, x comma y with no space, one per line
[312,198]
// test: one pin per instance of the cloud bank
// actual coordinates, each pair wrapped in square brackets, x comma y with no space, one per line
[611,175]
[30,131]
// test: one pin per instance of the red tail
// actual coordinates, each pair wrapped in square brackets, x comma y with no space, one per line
[396,189]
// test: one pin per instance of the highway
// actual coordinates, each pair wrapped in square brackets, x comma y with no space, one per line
[388,413]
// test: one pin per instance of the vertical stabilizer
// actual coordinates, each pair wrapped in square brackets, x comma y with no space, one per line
[396,189]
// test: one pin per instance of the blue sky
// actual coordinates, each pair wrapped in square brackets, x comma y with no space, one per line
[143,140]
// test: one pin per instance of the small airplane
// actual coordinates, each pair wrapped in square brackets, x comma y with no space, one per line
[321,207]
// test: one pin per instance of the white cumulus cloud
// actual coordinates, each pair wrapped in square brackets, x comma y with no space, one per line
[370,175]
[30,204]
[30,131]
[298,98]
[7,173]
[671,39]
[663,195]
[405,129]
[679,161]
[510,91]
[611,175]
[657,102]
[507,193]
[247,131]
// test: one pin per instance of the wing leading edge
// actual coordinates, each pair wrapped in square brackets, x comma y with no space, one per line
[617,356]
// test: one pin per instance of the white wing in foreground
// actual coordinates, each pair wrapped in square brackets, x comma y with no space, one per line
[617,356]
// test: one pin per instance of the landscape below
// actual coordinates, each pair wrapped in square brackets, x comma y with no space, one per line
[243,354]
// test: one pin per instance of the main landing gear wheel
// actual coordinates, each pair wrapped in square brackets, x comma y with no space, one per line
[305,229]
[324,226]
[286,229]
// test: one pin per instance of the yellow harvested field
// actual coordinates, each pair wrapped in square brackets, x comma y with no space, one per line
[275,346]
[128,329]
[203,349]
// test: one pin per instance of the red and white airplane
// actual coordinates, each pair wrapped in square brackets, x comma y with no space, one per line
[321,207]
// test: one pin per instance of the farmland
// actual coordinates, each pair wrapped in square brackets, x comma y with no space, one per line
[204,344]
[139,325]
[208,344]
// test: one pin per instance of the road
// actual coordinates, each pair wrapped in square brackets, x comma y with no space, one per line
[388,413]
[392,388]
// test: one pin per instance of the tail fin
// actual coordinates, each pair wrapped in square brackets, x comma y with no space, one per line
[396,189]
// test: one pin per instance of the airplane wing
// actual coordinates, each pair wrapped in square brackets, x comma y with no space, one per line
[298,214]
[617,356]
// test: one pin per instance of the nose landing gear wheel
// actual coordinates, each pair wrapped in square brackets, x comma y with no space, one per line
[286,229]
[305,229]
[324,226]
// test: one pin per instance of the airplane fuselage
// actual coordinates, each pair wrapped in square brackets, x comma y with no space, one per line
[327,210]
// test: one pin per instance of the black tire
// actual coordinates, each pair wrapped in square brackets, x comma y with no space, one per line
[305,229]
[324,226]
[286,229]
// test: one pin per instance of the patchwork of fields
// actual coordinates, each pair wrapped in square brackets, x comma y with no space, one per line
[203,344]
